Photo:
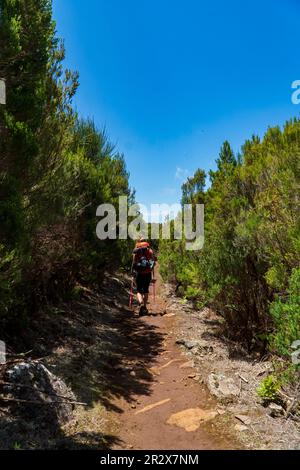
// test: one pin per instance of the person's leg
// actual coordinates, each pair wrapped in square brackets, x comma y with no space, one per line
[139,285]
[143,282]
[145,299]
[140,298]
[147,281]
[138,289]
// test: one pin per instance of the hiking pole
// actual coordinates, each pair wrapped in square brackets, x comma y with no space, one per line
[153,288]
[131,295]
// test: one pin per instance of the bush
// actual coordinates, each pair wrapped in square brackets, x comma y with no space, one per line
[268,389]
[55,170]
[252,240]
[286,316]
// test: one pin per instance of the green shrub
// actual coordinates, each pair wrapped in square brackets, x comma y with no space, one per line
[286,317]
[252,240]
[268,388]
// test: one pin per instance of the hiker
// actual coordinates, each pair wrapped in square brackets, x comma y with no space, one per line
[143,262]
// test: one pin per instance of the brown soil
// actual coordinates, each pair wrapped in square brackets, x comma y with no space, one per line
[175,412]
[252,420]
[141,389]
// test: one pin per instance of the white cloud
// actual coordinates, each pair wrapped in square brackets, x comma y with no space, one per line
[181,173]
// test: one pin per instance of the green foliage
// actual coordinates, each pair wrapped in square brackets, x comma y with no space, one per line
[286,316]
[193,189]
[17,446]
[9,275]
[252,239]
[268,389]
[55,170]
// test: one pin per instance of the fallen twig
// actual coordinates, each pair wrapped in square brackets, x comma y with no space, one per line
[34,389]
[17,400]
[280,392]
[241,386]
[243,378]
[20,354]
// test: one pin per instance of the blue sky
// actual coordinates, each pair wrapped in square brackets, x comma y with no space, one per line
[172,79]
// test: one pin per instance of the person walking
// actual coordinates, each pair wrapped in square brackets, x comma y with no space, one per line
[143,262]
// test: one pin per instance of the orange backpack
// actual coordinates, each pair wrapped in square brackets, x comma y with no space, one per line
[143,258]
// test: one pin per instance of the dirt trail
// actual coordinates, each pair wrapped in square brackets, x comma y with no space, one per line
[175,411]
[141,389]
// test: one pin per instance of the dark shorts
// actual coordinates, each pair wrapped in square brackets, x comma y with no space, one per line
[143,282]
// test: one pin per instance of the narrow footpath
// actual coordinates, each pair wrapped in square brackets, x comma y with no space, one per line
[175,411]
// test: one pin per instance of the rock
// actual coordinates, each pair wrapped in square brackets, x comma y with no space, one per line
[240,427]
[191,419]
[191,344]
[296,357]
[222,387]
[275,410]
[132,373]
[34,382]
[195,346]
[244,419]
[197,377]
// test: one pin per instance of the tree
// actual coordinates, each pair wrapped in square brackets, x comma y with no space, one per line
[193,189]
[252,239]
[38,109]
[55,169]
[225,163]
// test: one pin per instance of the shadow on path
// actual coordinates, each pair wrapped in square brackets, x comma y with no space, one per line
[101,350]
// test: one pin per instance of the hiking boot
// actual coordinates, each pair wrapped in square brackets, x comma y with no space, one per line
[142,311]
